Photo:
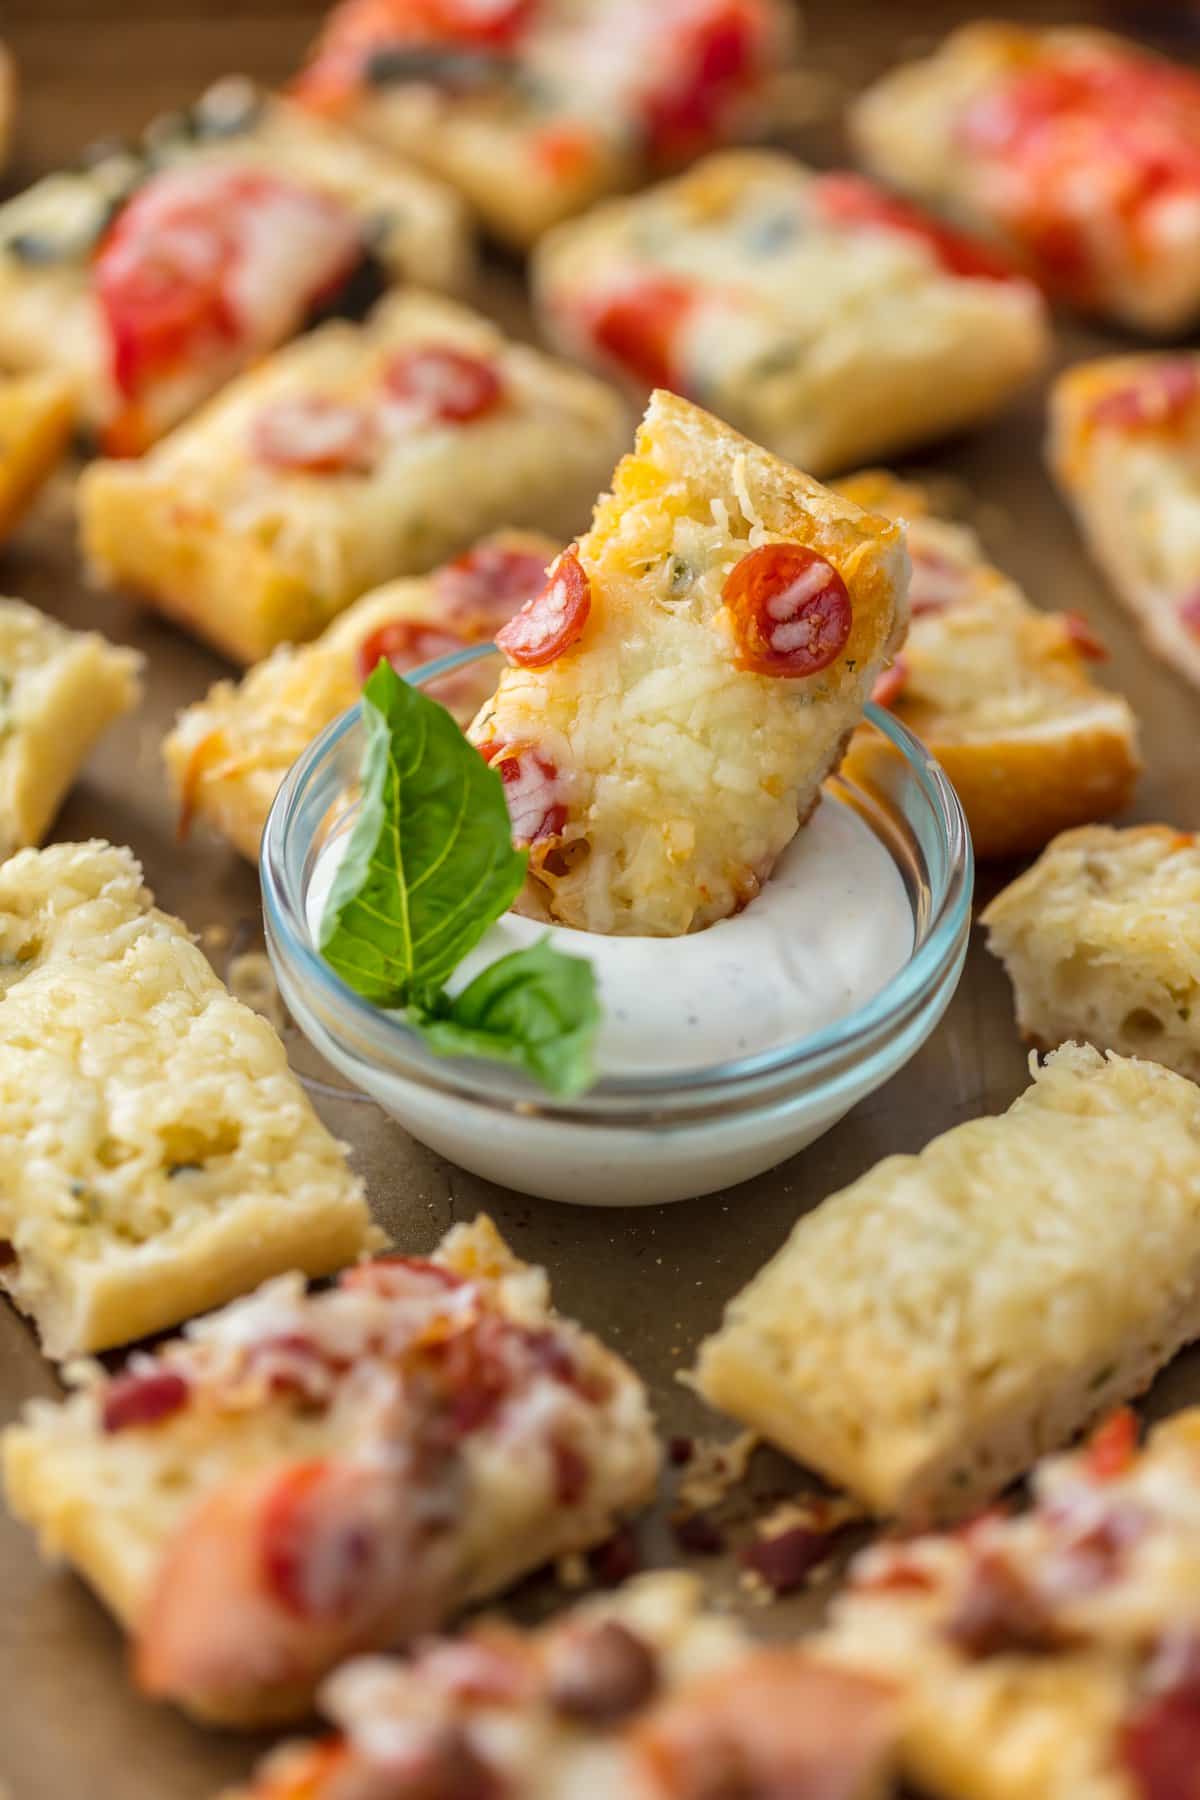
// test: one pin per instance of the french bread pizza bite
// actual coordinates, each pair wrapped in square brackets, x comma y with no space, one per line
[307,1475]
[37,415]
[1125,450]
[1076,151]
[59,692]
[639,1694]
[357,455]
[1049,1654]
[228,753]
[927,1333]
[999,692]
[157,1155]
[1101,939]
[821,316]
[535,108]
[689,675]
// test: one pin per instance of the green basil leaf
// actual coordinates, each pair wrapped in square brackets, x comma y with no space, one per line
[536,1009]
[430,863]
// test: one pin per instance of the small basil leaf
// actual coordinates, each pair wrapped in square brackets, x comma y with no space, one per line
[430,862]
[536,1009]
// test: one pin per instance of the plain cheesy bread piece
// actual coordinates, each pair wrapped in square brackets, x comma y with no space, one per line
[59,691]
[1125,450]
[37,414]
[1078,152]
[157,1155]
[1049,1654]
[532,111]
[150,275]
[688,677]
[229,752]
[1101,939]
[355,456]
[927,1333]
[640,1694]
[303,1476]
[997,690]
[820,315]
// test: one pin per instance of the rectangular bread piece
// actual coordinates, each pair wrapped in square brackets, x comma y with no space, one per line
[37,413]
[927,1333]
[999,691]
[1101,940]
[855,326]
[357,455]
[689,677]
[638,1695]
[1076,151]
[227,754]
[1048,1655]
[157,1155]
[59,691]
[1125,450]
[307,1475]
[263,217]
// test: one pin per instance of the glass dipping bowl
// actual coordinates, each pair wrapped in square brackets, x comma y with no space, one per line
[630,1141]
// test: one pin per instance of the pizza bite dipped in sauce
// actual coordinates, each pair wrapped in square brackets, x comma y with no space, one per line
[686,679]
[305,1476]
[1076,151]
[534,108]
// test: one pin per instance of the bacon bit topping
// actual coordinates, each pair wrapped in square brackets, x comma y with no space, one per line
[1092,1537]
[852,201]
[486,585]
[784,1559]
[1112,1447]
[615,1560]
[572,1473]
[553,620]
[790,610]
[600,1673]
[997,1612]
[638,326]
[1158,399]
[717,47]
[316,435]
[530,788]
[1159,1742]
[406,644]
[398,1277]
[891,683]
[1082,638]
[133,1400]
[698,1534]
[1189,613]
[440,1763]
[444,385]
[937,582]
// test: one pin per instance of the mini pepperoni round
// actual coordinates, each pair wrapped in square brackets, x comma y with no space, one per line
[447,385]
[553,620]
[531,792]
[638,325]
[1159,398]
[313,434]
[890,685]
[406,644]
[486,585]
[790,610]
[320,1539]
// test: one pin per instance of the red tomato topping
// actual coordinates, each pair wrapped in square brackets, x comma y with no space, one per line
[319,1545]
[132,1400]
[850,200]
[445,384]
[406,643]
[890,684]
[358,28]
[1159,1743]
[790,610]
[313,434]
[1112,1446]
[1082,638]
[486,585]
[638,326]
[716,50]
[566,152]
[1189,612]
[531,790]
[1158,399]
[553,620]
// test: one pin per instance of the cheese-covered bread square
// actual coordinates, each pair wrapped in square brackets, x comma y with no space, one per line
[157,1155]
[535,108]
[687,678]
[59,691]
[819,315]
[926,1334]
[638,1695]
[37,414]
[359,454]
[1101,939]
[997,690]
[1076,151]
[307,1475]
[1049,1655]
[149,276]
[1125,451]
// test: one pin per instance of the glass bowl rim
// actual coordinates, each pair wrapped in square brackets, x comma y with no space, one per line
[846,1042]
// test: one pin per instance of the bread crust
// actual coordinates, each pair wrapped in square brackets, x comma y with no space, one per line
[37,414]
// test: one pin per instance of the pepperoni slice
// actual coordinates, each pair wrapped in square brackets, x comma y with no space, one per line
[1159,398]
[444,384]
[1082,638]
[1112,1446]
[891,683]
[790,610]
[638,326]
[314,434]
[406,643]
[133,1400]
[487,584]
[553,620]
[716,48]
[320,1545]
[530,790]
[852,201]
